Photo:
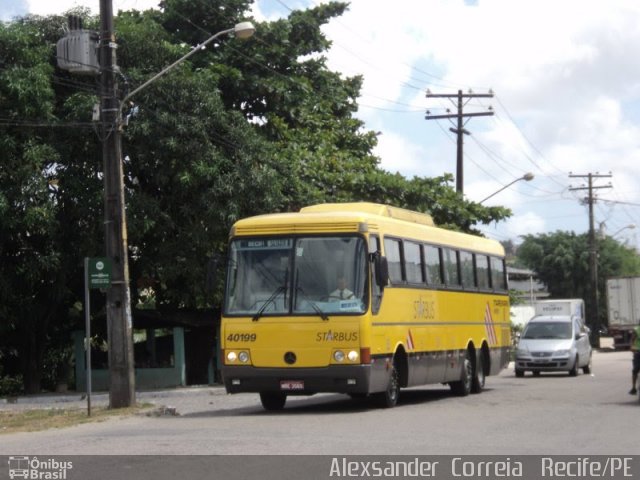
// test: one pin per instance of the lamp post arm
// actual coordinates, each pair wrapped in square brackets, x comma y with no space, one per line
[498,191]
[630,226]
[527,177]
[177,62]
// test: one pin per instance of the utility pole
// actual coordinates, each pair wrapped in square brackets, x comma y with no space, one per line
[119,323]
[462,100]
[76,53]
[593,317]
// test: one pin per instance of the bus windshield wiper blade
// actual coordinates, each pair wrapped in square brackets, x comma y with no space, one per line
[269,300]
[318,310]
[313,304]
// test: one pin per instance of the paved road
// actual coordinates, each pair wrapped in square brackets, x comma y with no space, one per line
[585,415]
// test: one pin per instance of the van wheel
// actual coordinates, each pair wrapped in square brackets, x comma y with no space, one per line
[479,377]
[273,400]
[389,398]
[574,371]
[463,386]
[519,373]
[587,368]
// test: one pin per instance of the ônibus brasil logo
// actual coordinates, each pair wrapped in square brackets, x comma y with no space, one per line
[33,468]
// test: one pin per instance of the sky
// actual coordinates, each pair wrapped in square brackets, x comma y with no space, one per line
[566,86]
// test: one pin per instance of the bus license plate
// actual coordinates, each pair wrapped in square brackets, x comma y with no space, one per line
[291,384]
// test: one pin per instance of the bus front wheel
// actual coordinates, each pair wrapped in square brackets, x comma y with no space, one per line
[389,398]
[273,400]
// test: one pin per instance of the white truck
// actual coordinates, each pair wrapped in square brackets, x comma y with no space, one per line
[623,309]
[562,307]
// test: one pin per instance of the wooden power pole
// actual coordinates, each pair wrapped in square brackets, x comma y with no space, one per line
[462,100]
[592,314]
[119,323]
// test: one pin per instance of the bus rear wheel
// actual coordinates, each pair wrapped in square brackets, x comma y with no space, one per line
[273,400]
[479,376]
[462,387]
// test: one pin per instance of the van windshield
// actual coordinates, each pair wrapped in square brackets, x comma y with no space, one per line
[559,330]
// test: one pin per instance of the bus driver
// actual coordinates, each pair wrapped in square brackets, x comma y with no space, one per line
[342,292]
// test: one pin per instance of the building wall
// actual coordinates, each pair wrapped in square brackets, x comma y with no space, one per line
[145,378]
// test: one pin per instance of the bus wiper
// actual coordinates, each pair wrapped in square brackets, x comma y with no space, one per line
[315,307]
[269,300]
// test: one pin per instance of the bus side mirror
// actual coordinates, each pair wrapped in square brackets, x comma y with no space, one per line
[382,271]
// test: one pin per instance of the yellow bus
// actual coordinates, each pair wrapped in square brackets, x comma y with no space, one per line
[362,299]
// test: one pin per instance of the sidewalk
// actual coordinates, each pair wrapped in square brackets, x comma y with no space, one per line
[101,399]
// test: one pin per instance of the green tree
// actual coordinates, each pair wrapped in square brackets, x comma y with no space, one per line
[44,197]
[241,128]
[561,260]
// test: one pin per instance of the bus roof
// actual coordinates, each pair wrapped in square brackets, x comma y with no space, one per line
[374,209]
[362,217]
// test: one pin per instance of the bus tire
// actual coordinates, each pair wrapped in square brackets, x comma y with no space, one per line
[273,401]
[479,376]
[462,387]
[389,398]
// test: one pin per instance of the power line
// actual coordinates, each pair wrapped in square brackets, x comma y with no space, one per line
[9,122]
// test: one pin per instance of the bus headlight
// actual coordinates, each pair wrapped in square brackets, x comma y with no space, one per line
[340,356]
[235,357]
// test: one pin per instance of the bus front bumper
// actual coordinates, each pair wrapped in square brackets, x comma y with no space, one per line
[298,381]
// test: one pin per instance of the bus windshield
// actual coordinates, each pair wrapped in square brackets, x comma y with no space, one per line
[317,276]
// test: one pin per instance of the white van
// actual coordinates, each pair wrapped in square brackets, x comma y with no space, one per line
[554,344]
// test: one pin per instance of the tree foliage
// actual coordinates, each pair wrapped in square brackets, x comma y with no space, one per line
[241,128]
[561,260]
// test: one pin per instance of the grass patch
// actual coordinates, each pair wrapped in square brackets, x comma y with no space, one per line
[13,421]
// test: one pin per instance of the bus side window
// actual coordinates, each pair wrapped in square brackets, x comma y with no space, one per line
[466,269]
[498,280]
[482,270]
[433,265]
[376,290]
[394,256]
[451,270]
[413,263]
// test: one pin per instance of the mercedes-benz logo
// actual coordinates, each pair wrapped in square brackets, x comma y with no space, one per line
[290,358]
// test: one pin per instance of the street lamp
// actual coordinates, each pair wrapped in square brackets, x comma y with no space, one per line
[527,176]
[242,30]
[630,226]
[119,321]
